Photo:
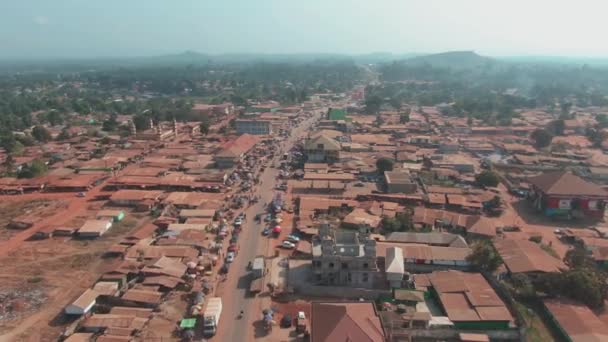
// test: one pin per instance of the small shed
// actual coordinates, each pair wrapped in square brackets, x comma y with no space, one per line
[64,231]
[114,215]
[409,297]
[108,288]
[94,228]
[82,304]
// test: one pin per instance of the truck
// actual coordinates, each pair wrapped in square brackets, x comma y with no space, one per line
[211,316]
[257,274]
[257,269]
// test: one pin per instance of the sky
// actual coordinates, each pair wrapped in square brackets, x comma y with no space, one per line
[123,28]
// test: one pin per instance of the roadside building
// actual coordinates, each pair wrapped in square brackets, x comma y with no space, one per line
[233,151]
[186,214]
[254,127]
[322,149]
[344,258]
[143,298]
[562,194]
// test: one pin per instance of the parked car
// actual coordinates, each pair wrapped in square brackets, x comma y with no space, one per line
[266,231]
[238,222]
[225,268]
[286,321]
[288,245]
[293,238]
[359,184]
[81,194]
[230,257]
[233,248]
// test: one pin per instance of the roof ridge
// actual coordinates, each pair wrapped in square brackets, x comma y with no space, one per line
[367,320]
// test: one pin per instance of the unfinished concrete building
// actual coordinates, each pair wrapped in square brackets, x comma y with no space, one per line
[344,258]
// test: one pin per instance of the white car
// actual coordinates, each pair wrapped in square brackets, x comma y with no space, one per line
[288,245]
[230,257]
[293,238]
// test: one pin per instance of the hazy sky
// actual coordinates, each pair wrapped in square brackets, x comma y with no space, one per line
[90,28]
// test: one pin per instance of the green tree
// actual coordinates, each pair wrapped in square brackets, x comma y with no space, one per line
[484,257]
[373,104]
[578,257]
[400,223]
[487,178]
[111,123]
[141,122]
[556,127]
[384,164]
[64,134]
[36,168]
[541,138]
[8,164]
[584,284]
[602,121]
[204,125]
[396,103]
[565,107]
[41,134]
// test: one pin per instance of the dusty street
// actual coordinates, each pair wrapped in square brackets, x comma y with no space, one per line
[234,291]
[76,206]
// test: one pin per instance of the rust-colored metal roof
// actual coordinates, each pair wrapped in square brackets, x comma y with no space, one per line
[521,256]
[345,322]
[562,183]
[578,321]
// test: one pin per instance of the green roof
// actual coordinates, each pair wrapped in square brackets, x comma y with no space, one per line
[188,323]
[337,114]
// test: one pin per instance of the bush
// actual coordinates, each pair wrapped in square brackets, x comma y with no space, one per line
[487,178]
[384,164]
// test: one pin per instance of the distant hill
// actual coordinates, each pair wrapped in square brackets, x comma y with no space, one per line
[453,59]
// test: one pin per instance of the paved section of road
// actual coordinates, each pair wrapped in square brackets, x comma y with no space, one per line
[234,291]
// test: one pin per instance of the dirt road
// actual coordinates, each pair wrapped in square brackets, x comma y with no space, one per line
[76,206]
[234,291]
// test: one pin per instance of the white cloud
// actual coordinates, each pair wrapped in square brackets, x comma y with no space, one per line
[41,20]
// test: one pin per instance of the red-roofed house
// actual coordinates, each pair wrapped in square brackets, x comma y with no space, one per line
[232,152]
[345,322]
[566,195]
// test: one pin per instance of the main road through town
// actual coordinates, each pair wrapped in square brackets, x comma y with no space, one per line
[234,290]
